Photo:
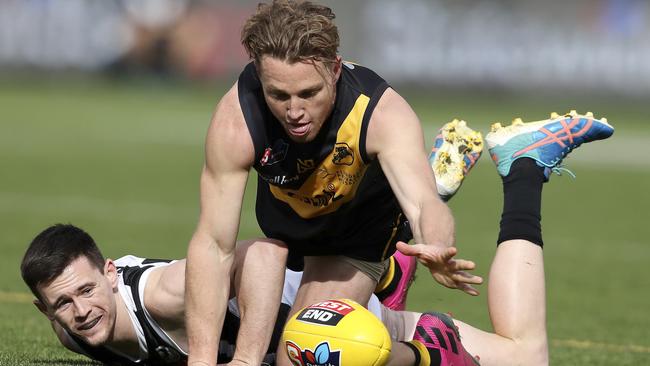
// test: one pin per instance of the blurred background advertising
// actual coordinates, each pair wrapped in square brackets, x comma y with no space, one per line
[581,45]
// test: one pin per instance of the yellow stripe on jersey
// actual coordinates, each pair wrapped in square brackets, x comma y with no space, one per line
[335,181]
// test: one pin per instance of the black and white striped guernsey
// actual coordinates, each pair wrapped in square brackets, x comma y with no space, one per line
[156,346]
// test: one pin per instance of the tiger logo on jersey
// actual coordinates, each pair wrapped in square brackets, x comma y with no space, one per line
[343,155]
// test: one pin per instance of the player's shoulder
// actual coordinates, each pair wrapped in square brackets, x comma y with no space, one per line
[129,261]
[134,261]
[228,107]
[359,69]
[228,115]
[228,131]
[362,78]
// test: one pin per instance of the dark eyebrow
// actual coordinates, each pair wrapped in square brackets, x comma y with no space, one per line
[273,90]
[312,89]
[79,289]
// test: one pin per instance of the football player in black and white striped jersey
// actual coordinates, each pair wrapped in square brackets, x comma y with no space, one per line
[130,311]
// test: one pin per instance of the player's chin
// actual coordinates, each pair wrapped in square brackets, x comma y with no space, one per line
[97,339]
[97,335]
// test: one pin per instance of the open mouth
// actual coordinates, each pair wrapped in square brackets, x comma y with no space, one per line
[299,129]
[90,324]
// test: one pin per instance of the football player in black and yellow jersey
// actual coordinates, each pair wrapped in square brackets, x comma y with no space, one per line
[341,168]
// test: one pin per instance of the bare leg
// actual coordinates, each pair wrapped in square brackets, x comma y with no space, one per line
[517,307]
[516,289]
[258,300]
[516,302]
[341,280]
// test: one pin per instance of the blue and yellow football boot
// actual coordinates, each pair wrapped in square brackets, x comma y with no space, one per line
[547,142]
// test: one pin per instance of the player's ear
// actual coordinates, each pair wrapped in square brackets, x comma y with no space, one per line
[43,309]
[110,271]
[336,69]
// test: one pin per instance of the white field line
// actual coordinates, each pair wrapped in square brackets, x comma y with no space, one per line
[25,298]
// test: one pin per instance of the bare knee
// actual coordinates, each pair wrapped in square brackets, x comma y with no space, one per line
[533,352]
[263,250]
[340,280]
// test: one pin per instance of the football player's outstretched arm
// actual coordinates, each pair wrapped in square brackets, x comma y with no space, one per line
[229,154]
[395,138]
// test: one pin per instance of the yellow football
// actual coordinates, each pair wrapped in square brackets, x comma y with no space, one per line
[336,333]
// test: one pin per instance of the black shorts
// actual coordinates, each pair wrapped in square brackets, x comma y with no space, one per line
[372,242]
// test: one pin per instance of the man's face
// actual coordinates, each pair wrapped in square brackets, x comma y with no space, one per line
[82,300]
[300,95]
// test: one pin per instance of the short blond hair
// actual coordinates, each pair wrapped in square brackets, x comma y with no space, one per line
[291,31]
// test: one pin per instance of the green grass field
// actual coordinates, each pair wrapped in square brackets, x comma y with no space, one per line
[122,160]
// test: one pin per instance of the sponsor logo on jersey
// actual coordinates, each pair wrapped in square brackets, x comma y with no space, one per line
[275,153]
[323,173]
[279,180]
[343,154]
[305,165]
[348,64]
[327,196]
[321,356]
[347,178]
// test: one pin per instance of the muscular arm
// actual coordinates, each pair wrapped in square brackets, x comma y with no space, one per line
[395,138]
[229,156]
[259,278]
[258,300]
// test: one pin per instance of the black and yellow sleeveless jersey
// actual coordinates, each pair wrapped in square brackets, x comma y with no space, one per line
[326,196]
